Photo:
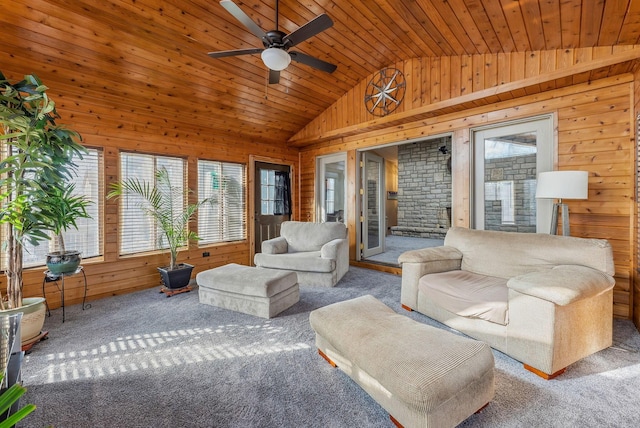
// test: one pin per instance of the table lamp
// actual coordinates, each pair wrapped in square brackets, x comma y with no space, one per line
[562,185]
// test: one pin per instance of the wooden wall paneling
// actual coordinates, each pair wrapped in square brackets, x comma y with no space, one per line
[435,88]
[445,77]
[461,178]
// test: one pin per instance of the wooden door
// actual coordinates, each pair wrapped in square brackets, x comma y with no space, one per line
[271,208]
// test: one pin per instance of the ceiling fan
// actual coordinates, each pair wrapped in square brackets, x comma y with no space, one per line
[275,54]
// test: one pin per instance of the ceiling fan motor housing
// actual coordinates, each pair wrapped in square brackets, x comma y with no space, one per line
[275,39]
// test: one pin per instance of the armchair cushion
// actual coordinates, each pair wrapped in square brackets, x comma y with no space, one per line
[309,261]
[562,284]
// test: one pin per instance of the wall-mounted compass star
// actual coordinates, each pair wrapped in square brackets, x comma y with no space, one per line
[385,92]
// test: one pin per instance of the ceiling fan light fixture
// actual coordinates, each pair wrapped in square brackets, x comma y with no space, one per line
[275,58]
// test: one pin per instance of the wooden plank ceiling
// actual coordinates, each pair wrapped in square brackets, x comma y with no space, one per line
[157,49]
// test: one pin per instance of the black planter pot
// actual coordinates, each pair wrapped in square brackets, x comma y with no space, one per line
[60,262]
[176,278]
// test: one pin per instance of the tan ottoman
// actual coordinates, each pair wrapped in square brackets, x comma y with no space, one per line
[423,376]
[250,290]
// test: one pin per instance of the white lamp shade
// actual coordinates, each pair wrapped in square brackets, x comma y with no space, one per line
[275,58]
[563,185]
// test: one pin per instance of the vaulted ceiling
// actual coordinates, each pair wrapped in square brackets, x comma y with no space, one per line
[157,49]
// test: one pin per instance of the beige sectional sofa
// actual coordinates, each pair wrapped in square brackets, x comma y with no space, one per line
[544,300]
[317,252]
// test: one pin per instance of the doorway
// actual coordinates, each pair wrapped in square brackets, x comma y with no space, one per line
[272,200]
[405,198]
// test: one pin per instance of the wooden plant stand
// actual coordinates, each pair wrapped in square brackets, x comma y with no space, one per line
[170,292]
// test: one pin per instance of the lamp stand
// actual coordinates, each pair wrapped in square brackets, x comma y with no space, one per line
[558,206]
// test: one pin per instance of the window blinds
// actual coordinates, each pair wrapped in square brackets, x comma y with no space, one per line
[224,219]
[88,238]
[139,232]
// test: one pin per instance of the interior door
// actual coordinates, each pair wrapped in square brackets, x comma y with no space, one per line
[272,200]
[507,161]
[373,209]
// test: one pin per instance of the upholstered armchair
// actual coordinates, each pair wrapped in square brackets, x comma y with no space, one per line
[317,252]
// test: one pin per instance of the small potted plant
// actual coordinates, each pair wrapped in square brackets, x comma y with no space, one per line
[158,201]
[63,210]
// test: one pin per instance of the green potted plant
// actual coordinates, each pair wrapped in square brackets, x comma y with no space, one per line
[158,201]
[37,156]
[64,208]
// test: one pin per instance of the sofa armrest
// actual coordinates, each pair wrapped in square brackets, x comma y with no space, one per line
[275,246]
[434,256]
[331,249]
[418,263]
[563,284]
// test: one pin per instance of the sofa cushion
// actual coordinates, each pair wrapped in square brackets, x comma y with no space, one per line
[305,236]
[309,261]
[563,285]
[468,294]
[509,254]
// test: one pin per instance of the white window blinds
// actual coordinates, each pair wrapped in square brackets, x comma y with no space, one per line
[224,219]
[138,232]
[88,237]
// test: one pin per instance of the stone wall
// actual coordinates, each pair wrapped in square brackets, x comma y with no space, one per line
[424,189]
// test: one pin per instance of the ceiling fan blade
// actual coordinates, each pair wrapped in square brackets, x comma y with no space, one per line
[234,10]
[310,29]
[236,52]
[274,76]
[313,62]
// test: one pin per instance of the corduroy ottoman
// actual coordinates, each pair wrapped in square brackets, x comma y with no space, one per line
[250,290]
[423,376]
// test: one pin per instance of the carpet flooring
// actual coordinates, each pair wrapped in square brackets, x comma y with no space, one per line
[145,360]
[396,245]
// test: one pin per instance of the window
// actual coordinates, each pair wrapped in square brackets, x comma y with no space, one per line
[224,219]
[502,192]
[330,195]
[88,237]
[267,191]
[139,232]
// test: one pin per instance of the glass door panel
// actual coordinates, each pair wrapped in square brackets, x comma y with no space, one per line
[507,161]
[373,226]
[332,187]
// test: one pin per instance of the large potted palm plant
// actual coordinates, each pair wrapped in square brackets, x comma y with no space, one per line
[159,200]
[36,157]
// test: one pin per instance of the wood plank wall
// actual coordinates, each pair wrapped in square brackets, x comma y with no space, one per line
[432,80]
[594,115]
[150,122]
[636,282]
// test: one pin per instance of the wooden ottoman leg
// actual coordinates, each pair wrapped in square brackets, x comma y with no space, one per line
[323,355]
